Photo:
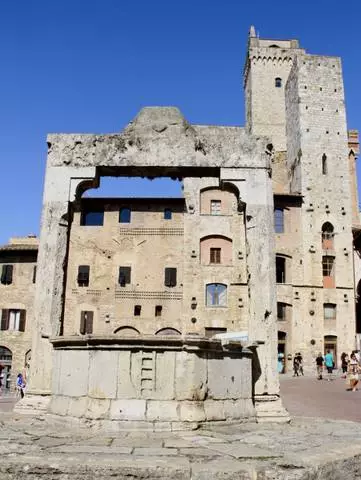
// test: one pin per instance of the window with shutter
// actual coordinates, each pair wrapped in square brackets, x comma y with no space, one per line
[14,320]
[5,319]
[86,322]
[7,275]
[34,274]
[170,277]
[22,320]
[215,255]
[83,275]
[124,276]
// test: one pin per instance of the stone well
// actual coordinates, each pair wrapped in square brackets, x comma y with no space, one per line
[172,381]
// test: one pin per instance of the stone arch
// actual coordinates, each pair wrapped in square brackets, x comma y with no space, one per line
[168,331]
[327,236]
[227,195]
[127,331]
[216,249]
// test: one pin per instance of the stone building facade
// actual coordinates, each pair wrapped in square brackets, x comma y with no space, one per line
[261,243]
[17,287]
[297,100]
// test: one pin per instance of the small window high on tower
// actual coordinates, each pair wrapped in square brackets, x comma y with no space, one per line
[278,82]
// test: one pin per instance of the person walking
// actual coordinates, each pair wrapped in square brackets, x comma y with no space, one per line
[344,364]
[20,385]
[353,373]
[300,363]
[329,364]
[296,366]
[319,365]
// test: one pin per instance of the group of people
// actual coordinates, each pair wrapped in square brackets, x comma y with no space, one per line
[351,367]
[20,382]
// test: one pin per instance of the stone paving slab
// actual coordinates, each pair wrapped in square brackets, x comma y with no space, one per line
[307,449]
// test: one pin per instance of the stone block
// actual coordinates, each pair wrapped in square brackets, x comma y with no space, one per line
[192,412]
[165,375]
[214,410]
[59,405]
[132,409]
[73,373]
[229,378]
[128,374]
[78,406]
[164,411]
[191,376]
[242,408]
[97,408]
[103,372]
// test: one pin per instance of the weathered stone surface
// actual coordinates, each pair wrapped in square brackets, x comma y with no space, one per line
[163,410]
[128,409]
[103,372]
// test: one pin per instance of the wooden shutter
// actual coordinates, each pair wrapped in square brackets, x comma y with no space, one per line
[34,274]
[22,320]
[124,275]
[82,322]
[5,319]
[83,275]
[170,277]
[89,322]
[7,275]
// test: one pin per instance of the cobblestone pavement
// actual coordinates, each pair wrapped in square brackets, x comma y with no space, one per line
[44,447]
[309,397]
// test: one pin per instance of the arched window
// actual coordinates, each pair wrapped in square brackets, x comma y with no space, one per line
[124,215]
[127,331]
[278,82]
[216,295]
[327,236]
[168,331]
[324,164]
[216,250]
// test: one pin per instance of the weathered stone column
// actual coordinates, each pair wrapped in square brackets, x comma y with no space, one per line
[255,188]
[59,189]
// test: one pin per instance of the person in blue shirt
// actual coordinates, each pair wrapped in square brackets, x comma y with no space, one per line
[329,363]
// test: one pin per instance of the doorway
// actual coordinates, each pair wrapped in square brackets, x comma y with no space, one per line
[6,358]
[330,342]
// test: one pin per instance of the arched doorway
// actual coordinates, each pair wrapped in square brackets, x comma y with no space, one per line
[330,342]
[6,358]
[281,358]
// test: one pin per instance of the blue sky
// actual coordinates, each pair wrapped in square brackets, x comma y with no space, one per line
[89,66]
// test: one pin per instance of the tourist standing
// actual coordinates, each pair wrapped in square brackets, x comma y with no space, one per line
[296,365]
[319,365]
[300,363]
[353,372]
[329,364]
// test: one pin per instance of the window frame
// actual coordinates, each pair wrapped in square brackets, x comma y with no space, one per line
[332,307]
[279,220]
[90,222]
[215,203]
[83,276]
[278,82]
[216,296]
[215,255]
[170,277]
[7,274]
[168,213]
[281,306]
[284,273]
[126,272]
[123,211]
[86,322]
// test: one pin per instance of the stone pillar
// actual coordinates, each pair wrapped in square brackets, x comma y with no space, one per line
[60,188]
[255,189]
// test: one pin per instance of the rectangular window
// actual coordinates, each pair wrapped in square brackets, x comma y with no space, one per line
[279,220]
[328,271]
[137,310]
[92,218]
[281,311]
[34,274]
[13,319]
[125,215]
[167,214]
[216,295]
[170,277]
[215,255]
[7,275]
[86,322]
[124,276]
[216,207]
[280,270]
[329,311]
[158,310]
[83,275]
